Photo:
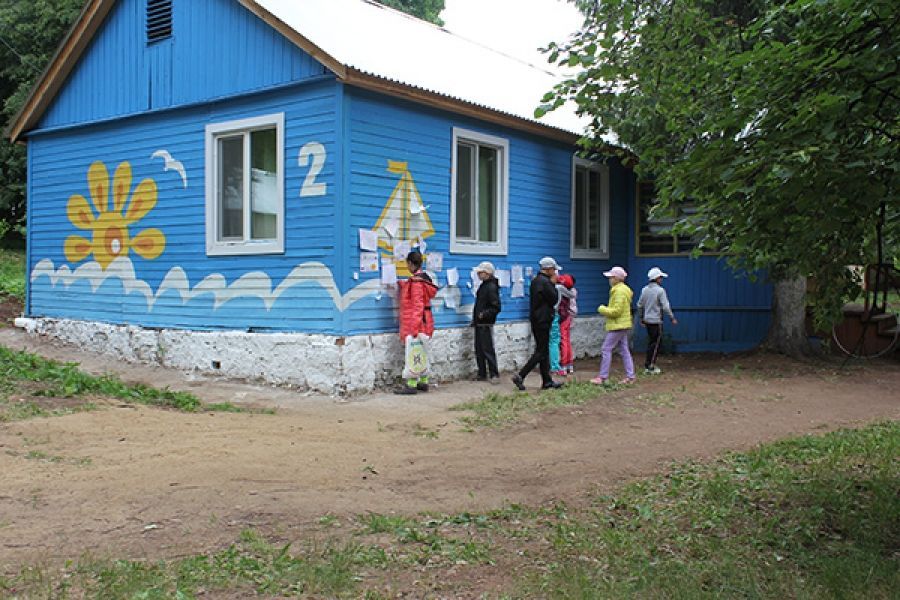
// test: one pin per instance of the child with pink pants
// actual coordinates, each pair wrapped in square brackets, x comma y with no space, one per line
[618,324]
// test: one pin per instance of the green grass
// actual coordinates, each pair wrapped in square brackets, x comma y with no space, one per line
[12,273]
[26,378]
[498,410]
[812,517]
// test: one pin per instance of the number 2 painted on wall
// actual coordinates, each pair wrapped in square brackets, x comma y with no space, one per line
[310,186]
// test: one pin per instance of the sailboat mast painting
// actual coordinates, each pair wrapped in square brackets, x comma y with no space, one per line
[404,222]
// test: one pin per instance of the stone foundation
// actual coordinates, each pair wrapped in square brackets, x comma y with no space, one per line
[336,365]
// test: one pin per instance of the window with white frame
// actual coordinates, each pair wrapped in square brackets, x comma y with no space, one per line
[245,186]
[590,209]
[479,194]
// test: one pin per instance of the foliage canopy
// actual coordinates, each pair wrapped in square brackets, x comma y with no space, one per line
[777,119]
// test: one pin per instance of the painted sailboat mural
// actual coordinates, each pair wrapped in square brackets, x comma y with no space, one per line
[404,222]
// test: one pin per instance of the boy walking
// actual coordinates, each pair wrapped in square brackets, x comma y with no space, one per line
[652,303]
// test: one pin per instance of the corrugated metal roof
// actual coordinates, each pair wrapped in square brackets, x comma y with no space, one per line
[374,39]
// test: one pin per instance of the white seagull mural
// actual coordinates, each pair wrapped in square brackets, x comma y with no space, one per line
[171,164]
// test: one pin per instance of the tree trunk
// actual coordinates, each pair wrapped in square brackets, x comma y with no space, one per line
[787,334]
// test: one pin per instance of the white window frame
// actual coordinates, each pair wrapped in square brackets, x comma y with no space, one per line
[603,251]
[499,247]
[214,246]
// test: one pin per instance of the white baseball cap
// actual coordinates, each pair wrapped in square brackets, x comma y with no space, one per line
[655,273]
[485,267]
[548,263]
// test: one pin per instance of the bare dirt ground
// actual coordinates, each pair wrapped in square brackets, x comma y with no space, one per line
[130,481]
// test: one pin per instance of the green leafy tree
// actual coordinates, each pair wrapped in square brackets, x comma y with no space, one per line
[30,31]
[427,10]
[777,119]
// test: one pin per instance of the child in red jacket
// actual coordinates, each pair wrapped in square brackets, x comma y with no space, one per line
[416,324]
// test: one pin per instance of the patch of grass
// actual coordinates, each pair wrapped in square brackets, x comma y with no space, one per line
[51,379]
[810,517]
[12,273]
[250,567]
[497,410]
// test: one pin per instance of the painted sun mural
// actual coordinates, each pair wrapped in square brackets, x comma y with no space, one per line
[110,222]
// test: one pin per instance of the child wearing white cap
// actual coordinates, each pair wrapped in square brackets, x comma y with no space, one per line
[652,303]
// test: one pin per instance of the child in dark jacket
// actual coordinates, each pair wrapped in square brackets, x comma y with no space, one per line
[484,315]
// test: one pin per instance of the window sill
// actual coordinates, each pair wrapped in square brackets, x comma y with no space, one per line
[477,248]
[245,249]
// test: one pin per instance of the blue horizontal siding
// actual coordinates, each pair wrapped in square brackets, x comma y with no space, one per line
[217,49]
[60,163]
[540,172]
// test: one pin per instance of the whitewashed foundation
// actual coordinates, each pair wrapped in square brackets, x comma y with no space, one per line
[336,365]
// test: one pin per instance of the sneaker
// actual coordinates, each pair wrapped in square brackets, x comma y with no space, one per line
[655,370]
[405,390]
[598,381]
[422,387]
[519,382]
[559,373]
[494,380]
[627,381]
[551,385]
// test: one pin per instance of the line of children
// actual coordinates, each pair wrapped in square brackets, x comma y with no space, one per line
[417,324]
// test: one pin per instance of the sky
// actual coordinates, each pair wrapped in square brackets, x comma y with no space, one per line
[516,27]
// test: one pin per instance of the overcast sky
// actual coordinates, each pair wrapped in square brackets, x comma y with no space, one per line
[516,27]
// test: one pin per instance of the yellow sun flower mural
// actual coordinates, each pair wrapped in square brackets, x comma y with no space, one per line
[111,238]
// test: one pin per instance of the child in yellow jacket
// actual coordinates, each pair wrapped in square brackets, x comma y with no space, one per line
[618,324]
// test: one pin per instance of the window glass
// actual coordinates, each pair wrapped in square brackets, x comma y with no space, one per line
[465,177]
[580,219]
[231,187]
[487,194]
[594,202]
[263,185]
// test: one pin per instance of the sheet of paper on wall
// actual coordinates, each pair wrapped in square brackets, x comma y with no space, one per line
[451,298]
[435,261]
[453,276]
[388,273]
[401,249]
[518,290]
[368,262]
[476,281]
[420,242]
[517,273]
[529,271]
[368,240]
[434,277]
[503,277]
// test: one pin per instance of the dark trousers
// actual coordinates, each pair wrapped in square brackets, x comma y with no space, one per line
[484,351]
[541,354]
[654,340]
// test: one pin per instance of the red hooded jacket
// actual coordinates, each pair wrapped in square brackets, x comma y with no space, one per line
[415,305]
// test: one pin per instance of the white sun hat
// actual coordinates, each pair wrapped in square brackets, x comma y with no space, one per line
[655,273]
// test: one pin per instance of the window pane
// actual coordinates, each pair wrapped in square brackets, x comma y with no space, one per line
[231,187]
[594,210]
[580,220]
[487,194]
[464,186]
[653,235]
[263,185]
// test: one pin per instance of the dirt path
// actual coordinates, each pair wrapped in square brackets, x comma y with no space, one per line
[131,481]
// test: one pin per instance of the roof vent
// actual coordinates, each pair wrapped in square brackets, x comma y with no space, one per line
[159,20]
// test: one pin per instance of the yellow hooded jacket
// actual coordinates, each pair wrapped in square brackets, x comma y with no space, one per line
[618,313]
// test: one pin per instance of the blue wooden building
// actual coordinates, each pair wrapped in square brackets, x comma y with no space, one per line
[224,166]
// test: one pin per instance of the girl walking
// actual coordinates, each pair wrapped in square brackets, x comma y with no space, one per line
[618,324]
